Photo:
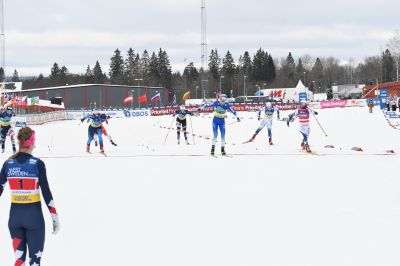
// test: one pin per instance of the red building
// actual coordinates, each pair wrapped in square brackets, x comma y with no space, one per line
[392,87]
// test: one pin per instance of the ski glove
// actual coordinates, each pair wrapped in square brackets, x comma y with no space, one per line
[315,113]
[259,118]
[238,119]
[56,226]
[82,120]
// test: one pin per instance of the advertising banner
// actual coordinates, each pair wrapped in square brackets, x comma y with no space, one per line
[137,113]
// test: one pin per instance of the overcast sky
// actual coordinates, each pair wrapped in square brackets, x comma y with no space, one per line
[76,33]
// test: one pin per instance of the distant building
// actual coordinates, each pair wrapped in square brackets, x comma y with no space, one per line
[288,94]
[373,91]
[88,96]
[346,91]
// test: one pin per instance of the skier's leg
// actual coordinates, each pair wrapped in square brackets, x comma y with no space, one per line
[19,245]
[215,131]
[4,131]
[12,137]
[184,128]
[100,136]
[35,237]
[178,130]
[222,129]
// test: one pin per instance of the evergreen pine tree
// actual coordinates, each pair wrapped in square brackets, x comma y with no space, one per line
[228,69]
[164,69]
[88,75]
[388,66]
[300,71]
[246,64]
[55,72]
[15,76]
[131,67]
[117,68]
[258,73]
[271,69]
[98,75]
[144,67]
[1,74]
[318,76]
[214,64]
[154,73]
[63,80]
[291,68]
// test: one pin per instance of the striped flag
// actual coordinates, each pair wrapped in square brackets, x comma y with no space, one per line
[186,96]
[156,98]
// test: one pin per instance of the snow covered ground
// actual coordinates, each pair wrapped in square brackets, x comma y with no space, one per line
[151,204]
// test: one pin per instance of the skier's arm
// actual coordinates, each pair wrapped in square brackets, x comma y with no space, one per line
[88,116]
[259,114]
[208,105]
[45,188]
[233,112]
[3,180]
[175,113]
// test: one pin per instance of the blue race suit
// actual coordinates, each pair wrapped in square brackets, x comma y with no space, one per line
[95,126]
[220,110]
[26,176]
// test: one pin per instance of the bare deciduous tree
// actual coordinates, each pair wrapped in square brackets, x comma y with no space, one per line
[394,47]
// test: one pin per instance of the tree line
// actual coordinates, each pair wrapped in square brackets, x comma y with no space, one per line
[255,71]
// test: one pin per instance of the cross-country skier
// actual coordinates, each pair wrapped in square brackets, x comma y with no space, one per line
[181,122]
[26,176]
[6,129]
[303,113]
[94,128]
[220,108]
[267,112]
[104,118]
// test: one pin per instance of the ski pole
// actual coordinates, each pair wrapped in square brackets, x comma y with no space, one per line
[169,129]
[191,125]
[319,124]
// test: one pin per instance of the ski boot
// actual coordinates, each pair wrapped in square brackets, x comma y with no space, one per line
[187,142]
[87,147]
[101,148]
[14,148]
[113,143]
[303,146]
[307,148]
[252,138]
[95,143]
[179,141]
[223,151]
[212,150]
[270,141]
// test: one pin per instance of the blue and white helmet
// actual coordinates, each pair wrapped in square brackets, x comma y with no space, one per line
[268,105]
[223,97]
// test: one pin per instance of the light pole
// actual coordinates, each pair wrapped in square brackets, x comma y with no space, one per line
[204,87]
[244,88]
[220,83]
[138,80]
[132,91]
